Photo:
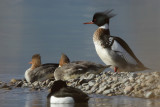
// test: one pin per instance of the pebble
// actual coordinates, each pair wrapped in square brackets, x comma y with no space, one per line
[149,94]
[13,81]
[128,89]
[144,84]
[5,87]
[107,92]
[91,83]
[91,76]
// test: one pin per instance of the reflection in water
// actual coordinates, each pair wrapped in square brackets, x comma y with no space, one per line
[61,105]
[122,101]
[38,99]
[68,105]
[35,99]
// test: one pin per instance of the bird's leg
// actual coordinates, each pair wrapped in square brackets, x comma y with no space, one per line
[115,69]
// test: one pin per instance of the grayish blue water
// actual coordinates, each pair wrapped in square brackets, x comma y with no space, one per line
[55,26]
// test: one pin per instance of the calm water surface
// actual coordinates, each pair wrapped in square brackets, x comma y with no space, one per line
[52,27]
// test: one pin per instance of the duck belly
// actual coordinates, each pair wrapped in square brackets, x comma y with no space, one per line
[110,57]
[61,100]
[27,75]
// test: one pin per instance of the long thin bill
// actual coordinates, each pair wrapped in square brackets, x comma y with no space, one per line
[89,22]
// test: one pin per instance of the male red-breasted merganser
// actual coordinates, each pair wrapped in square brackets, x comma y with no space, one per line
[111,49]
[75,69]
[62,94]
[38,72]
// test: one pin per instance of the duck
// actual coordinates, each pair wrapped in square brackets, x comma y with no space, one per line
[38,71]
[113,50]
[60,93]
[75,69]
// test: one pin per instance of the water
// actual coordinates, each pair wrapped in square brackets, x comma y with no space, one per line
[52,27]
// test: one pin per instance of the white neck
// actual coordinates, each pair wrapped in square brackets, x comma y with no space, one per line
[105,26]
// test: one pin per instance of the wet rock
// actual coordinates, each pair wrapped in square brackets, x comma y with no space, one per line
[50,84]
[5,87]
[19,84]
[25,85]
[149,94]
[47,81]
[35,84]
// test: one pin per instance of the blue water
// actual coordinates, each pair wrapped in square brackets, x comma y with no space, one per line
[55,26]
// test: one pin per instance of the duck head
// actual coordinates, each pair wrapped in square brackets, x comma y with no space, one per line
[36,61]
[63,60]
[101,18]
[57,85]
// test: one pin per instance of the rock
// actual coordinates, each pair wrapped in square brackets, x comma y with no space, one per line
[94,88]
[85,84]
[91,76]
[35,84]
[47,81]
[91,83]
[158,86]
[83,81]
[115,85]
[98,79]
[6,87]
[151,79]
[101,89]
[133,75]
[138,93]
[143,84]
[128,89]
[125,80]
[50,84]
[79,87]
[149,94]
[19,84]
[138,81]
[107,92]
[25,85]
[115,79]
[44,83]
[156,74]
[87,87]
[13,81]
[142,77]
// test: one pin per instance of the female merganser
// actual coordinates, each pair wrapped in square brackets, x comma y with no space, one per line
[61,93]
[38,72]
[75,69]
[111,49]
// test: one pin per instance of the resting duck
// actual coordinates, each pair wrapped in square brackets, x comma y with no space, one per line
[38,72]
[75,69]
[111,49]
[61,93]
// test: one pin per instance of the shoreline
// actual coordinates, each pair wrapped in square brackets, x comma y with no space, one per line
[134,84]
